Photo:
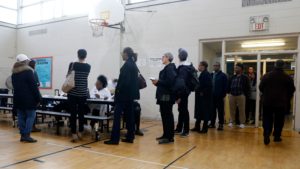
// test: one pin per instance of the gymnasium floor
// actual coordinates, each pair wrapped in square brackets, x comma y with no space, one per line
[230,149]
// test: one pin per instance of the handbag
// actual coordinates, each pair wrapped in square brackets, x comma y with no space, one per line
[8,83]
[69,83]
[141,80]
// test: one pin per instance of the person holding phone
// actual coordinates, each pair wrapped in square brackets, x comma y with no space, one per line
[165,98]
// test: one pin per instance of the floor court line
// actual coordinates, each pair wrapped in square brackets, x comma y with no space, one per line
[117,156]
[184,154]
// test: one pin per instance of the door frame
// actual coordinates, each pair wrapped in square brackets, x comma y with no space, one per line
[258,55]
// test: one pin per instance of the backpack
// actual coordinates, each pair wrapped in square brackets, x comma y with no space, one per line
[179,86]
[193,82]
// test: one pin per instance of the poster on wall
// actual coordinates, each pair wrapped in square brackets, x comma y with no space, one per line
[44,70]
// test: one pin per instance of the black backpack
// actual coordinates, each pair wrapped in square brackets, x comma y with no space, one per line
[193,82]
[179,86]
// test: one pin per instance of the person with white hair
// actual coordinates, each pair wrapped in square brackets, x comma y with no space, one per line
[165,98]
[26,97]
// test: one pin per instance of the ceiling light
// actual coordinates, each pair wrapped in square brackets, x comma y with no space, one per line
[263,43]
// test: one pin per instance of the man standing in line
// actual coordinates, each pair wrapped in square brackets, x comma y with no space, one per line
[239,90]
[277,90]
[219,83]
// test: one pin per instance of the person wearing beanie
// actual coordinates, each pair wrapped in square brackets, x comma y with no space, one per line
[126,92]
[239,90]
[26,96]
[277,90]
[184,71]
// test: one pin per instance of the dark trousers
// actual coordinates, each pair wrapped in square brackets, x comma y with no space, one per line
[166,111]
[125,107]
[250,109]
[76,107]
[137,114]
[184,115]
[218,108]
[273,116]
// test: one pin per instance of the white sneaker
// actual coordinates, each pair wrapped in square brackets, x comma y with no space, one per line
[230,125]
[242,126]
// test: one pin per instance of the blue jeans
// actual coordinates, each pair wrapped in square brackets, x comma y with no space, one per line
[25,121]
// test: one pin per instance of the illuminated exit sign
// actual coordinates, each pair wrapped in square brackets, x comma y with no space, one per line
[259,23]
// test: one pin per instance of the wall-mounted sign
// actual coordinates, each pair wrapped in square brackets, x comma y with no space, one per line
[44,70]
[259,23]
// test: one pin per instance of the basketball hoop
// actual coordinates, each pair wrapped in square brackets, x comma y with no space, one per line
[97,26]
[105,13]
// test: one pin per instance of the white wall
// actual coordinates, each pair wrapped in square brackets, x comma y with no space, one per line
[151,34]
[62,41]
[7,51]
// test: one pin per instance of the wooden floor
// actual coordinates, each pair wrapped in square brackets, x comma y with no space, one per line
[230,149]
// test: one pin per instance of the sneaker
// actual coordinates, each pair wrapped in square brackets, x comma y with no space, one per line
[242,126]
[230,125]
[184,134]
[28,140]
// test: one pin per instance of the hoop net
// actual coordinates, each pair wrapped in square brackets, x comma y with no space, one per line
[97,26]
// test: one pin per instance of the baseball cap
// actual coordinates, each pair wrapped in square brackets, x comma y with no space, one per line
[22,58]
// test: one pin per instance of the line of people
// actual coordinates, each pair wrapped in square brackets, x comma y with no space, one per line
[174,85]
[276,89]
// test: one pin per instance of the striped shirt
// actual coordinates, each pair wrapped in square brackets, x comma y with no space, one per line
[237,86]
[82,71]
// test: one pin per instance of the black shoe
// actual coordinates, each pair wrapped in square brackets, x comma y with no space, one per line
[165,141]
[277,139]
[220,128]
[127,140]
[34,130]
[203,131]
[177,132]
[184,134]
[139,133]
[195,129]
[161,137]
[211,126]
[28,140]
[267,140]
[110,142]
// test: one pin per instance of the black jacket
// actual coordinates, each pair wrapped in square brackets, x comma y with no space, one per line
[128,87]
[203,101]
[165,82]
[277,89]
[245,85]
[26,92]
[220,85]
[184,72]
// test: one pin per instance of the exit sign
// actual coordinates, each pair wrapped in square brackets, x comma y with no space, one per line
[259,23]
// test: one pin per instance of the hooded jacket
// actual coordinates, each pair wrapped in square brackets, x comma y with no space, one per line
[184,71]
[26,92]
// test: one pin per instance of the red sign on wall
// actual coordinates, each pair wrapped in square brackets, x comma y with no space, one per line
[259,23]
